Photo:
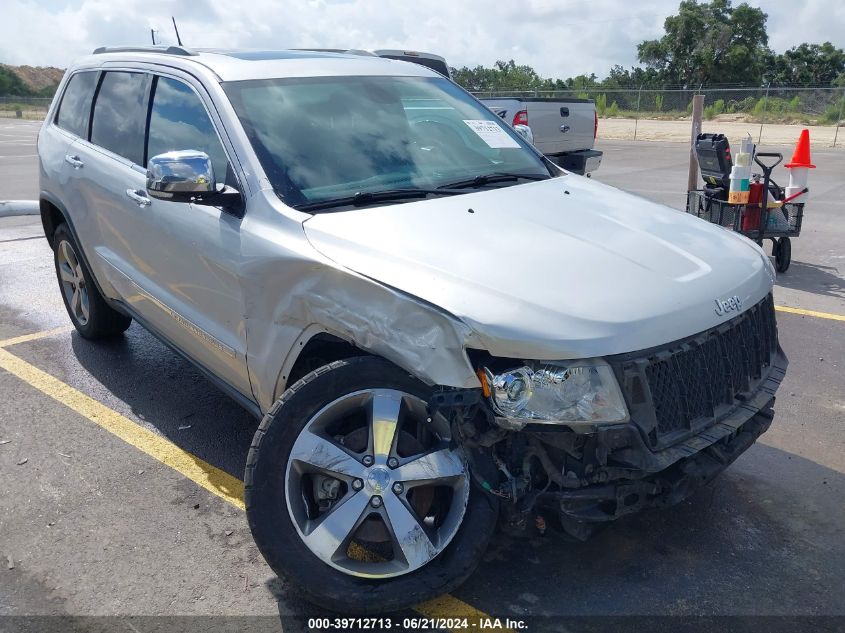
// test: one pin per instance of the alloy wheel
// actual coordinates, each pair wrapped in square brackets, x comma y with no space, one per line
[373,486]
[73,282]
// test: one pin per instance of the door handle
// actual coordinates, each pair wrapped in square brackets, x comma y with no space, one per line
[142,200]
[74,161]
[564,128]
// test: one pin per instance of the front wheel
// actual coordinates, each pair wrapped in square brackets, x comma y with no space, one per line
[359,496]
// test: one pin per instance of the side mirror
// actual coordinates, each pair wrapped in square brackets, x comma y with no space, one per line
[188,176]
[180,176]
[525,132]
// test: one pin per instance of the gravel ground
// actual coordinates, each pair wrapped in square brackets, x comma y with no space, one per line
[773,133]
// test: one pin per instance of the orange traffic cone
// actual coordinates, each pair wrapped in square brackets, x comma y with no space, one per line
[801,155]
[798,166]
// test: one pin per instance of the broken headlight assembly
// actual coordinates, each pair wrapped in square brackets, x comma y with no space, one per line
[573,393]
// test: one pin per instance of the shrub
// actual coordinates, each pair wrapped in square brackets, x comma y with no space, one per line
[714,109]
[831,113]
[743,105]
[776,105]
[613,110]
[658,102]
[601,104]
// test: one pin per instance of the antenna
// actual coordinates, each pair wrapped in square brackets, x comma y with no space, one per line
[175,28]
[153,36]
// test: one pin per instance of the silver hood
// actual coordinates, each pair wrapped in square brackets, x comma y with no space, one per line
[562,268]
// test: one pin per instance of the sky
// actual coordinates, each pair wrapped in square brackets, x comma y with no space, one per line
[559,38]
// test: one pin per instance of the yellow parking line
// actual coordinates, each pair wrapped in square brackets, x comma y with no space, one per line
[812,313]
[216,481]
[447,606]
[34,337]
[212,479]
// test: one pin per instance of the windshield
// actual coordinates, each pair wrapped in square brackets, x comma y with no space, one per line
[329,138]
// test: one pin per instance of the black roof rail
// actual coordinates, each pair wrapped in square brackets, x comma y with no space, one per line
[169,50]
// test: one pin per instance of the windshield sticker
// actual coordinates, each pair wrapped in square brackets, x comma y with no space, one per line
[491,133]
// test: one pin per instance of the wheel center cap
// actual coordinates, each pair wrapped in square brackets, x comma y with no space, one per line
[378,481]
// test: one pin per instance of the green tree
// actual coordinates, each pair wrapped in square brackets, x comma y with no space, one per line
[583,82]
[817,64]
[11,85]
[709,43]
[503,76]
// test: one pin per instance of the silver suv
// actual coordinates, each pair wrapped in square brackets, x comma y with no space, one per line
[442,331]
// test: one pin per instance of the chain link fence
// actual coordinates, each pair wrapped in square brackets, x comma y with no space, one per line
[24,107]
[768,113]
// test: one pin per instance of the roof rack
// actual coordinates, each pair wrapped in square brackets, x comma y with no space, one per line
[169,50]
[348,51]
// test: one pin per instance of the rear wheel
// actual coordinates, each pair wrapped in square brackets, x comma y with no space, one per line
[355,493]
[783,254]
[92,317]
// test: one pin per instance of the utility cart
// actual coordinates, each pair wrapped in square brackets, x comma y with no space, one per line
[766,219]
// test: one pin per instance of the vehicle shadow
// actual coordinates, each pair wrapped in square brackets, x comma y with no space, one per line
[764,538]
[815,278]
[168,394]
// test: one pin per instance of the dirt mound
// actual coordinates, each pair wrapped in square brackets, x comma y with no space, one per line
[37,77]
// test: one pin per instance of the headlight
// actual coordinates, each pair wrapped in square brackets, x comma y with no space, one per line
[582,391]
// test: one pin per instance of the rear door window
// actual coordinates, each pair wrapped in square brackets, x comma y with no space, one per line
[75,107]
[120,114]
[179,121]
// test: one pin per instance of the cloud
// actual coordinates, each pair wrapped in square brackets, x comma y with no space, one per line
[560,38]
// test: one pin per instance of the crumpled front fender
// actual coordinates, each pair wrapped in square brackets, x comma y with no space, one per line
[416,336]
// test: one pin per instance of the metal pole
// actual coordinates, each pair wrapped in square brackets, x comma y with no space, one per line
[763,118]
[697,113]
[839,120]
[637,118]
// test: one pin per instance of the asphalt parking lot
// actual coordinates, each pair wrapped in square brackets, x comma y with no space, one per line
[97,516]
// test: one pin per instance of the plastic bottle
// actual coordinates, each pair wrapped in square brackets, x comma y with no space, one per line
[741,173]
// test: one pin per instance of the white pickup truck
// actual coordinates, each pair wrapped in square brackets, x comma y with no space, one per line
[564,129]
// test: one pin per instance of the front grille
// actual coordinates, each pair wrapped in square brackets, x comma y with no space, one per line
[683,387]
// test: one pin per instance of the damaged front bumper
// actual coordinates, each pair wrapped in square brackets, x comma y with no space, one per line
[590,478]
[580,509]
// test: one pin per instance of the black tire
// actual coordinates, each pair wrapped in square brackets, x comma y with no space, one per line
[783,254]
[102,320]
[273,528]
